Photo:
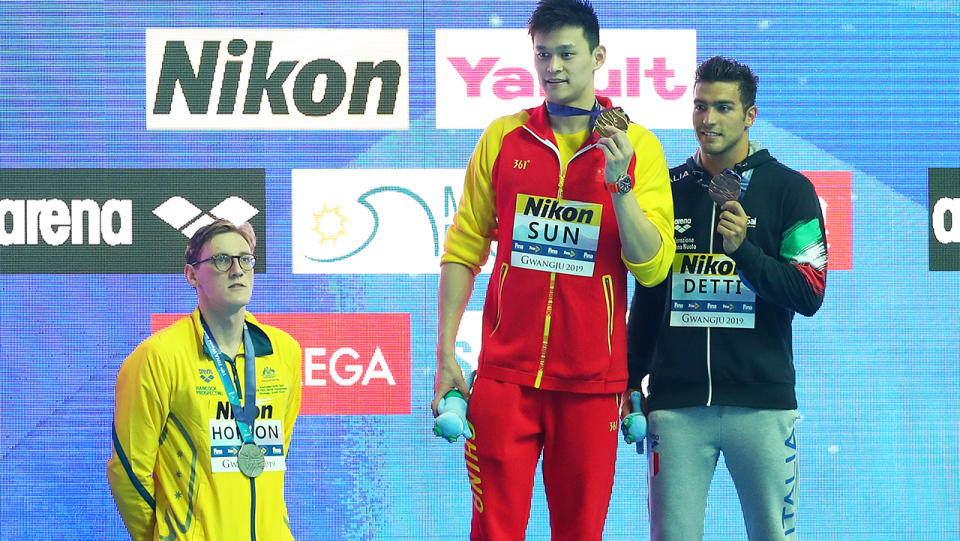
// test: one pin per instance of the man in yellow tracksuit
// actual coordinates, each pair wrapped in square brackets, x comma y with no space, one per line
[201,430]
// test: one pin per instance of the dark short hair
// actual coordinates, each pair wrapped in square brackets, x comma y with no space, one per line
[724,70]
[551,15]
[207,232]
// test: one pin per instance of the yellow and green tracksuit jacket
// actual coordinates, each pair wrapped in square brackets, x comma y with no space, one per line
[171,473]
[557,324]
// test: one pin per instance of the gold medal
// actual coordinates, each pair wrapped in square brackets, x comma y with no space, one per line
[611,117]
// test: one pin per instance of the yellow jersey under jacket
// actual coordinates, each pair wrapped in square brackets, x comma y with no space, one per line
[172,423]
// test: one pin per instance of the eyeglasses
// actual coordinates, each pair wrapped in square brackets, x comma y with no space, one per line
[223,262]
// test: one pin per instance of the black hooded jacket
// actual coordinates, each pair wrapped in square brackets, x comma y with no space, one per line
[744,356]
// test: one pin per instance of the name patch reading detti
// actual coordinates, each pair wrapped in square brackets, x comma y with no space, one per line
[554,235]
[708,292]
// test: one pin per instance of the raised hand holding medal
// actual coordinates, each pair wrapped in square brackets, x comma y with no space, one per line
[610,117]
[610,129]
[725,187]
[724,190]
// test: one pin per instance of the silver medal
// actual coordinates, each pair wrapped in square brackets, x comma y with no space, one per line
[250,459]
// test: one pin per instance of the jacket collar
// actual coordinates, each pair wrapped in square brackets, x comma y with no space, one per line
[539,121]
[261,342]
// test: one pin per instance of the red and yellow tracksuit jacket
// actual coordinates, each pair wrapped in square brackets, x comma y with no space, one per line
[170,473]
[561,328]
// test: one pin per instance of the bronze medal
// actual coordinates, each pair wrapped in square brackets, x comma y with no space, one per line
[724,187]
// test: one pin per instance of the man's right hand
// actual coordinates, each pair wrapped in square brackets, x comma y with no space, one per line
[449,376]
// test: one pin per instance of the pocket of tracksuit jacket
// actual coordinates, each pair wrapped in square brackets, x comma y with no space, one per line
[504,267]
[609,298]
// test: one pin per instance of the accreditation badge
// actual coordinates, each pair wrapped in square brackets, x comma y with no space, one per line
[555,235]
[708,292]
[228,452]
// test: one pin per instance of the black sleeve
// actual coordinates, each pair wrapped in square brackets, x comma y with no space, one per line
[796,277]
[643,327]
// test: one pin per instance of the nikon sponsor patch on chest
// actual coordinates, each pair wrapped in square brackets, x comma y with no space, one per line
[225,442]
[708,292]
[554,235]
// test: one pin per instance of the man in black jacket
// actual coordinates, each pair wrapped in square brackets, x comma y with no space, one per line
[751,251]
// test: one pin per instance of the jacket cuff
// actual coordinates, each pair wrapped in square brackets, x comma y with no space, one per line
[649,272]
[746,255]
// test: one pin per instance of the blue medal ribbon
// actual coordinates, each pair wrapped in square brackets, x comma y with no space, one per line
[558,109]
[246,413]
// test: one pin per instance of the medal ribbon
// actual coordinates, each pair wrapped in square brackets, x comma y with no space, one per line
[558,109]
[246,413]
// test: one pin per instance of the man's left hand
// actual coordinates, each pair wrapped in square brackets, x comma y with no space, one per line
[732,226]
[618,151]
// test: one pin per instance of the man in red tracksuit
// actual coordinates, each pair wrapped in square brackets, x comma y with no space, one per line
[571,212]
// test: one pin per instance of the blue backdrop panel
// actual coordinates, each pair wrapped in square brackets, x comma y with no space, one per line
[869,88]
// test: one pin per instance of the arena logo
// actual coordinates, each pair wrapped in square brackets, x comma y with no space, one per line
[76,221]
[944,215]
[178,212]
[291,79]
[372,221]
[483,74]
[53,222]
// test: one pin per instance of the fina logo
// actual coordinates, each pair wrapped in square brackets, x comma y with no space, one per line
[187,218]
[372,221]
[328,216]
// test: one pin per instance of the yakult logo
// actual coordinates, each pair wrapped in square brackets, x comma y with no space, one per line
[944,213]
[250,79]
[483,74]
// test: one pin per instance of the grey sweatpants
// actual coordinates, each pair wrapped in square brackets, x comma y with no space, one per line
[760,450]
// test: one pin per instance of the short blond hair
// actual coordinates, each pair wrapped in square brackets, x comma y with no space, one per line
[207,232]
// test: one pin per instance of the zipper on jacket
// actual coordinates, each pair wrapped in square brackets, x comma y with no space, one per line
[553,276]
[608,296]
[546,330]
[713,220]
[504,267]
[253,509]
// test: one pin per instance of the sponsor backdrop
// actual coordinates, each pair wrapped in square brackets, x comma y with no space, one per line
[340,130]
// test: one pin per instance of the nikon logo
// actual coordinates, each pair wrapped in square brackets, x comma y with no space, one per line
[54,222]
[276,79]
[545,207]
[707,264]
[946,230]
